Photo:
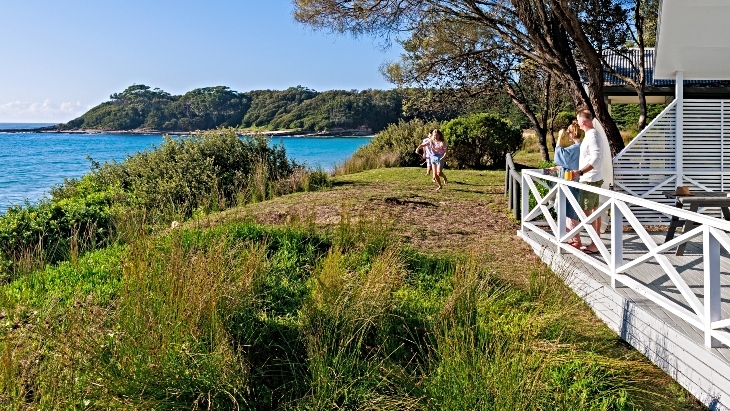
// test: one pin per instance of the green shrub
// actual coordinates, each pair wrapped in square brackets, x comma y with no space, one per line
[203,170]
[480,141]
[562,120]
[94,276]
[51,231]
[393,147]
[626,116]
[182,177]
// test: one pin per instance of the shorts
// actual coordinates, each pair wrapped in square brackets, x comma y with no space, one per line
[436,159]
[589,200]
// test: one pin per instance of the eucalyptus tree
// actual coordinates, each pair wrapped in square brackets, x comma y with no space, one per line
[559,36]
[463,64]
[640,28]
[218,103]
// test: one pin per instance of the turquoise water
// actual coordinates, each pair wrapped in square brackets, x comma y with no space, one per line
[34,162]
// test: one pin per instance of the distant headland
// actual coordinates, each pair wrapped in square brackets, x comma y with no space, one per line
[140,109]
[360,132]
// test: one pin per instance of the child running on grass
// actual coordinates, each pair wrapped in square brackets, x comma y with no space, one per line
[439,150]
[426,146]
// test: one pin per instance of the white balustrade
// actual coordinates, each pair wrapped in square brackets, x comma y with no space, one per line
[706,315]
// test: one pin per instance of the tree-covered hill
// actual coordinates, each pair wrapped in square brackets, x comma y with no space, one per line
[141,107]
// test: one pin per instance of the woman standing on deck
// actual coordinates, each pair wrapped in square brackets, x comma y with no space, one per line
[567,154]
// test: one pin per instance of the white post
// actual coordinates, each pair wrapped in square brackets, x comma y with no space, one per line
[712,312]
[560,204]
[617,240]
[679,126]
[525,209]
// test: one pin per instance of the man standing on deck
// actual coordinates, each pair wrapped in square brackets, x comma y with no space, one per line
[589,170]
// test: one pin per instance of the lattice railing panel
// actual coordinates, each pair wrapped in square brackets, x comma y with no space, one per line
[700,307]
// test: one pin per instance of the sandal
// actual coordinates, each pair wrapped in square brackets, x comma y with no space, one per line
[589,251]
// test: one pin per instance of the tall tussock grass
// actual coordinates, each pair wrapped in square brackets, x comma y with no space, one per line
[259,318]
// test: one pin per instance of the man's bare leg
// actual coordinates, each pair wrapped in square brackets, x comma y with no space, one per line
[569,225]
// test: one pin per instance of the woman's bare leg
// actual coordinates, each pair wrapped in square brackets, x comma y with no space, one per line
[436,177]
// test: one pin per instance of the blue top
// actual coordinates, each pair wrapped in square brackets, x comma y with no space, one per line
[567,157]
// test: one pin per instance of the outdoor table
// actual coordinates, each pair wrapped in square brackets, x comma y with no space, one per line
[695,201]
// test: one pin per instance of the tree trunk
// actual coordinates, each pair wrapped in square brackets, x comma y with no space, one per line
[536,125]
[642,108]
[542,139]
[542,142]
[594,71]
[641,90]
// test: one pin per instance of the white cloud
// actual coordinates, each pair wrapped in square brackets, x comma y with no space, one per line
[45,112]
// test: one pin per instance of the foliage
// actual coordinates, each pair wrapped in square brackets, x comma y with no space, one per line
[182,178]
[95,276]
[487,43]
[374,109]
[139,107]
[440,58]
[267,105]
[627,115]
[202,170]
[393,147]
[51,231]
[562,120]
[480,140]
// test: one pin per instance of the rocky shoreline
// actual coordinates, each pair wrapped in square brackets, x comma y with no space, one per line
[359,132]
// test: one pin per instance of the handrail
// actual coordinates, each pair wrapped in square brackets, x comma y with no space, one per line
[705,314]
[509,165]
[512,186]
[641,202]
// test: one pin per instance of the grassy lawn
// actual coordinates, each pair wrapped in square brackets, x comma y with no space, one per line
[469,220]
[378,293]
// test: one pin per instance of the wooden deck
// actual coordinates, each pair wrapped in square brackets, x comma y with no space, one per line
[674,345]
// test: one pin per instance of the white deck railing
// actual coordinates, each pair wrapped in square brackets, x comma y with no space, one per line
[706,315]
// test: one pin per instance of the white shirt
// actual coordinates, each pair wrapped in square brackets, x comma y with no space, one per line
[427,147]
[591,151]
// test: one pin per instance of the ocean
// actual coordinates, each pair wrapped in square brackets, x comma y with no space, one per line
[32,163]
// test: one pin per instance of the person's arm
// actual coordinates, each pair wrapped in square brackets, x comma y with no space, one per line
[594,155]
[418,148]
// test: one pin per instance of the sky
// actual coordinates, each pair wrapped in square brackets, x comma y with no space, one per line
[59,58]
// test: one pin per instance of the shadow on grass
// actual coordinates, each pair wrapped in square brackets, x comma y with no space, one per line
[349,183]
[398,201]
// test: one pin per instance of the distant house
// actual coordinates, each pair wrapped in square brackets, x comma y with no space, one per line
[658,91]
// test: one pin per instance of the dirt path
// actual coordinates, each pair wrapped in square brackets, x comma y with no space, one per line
[468,216]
